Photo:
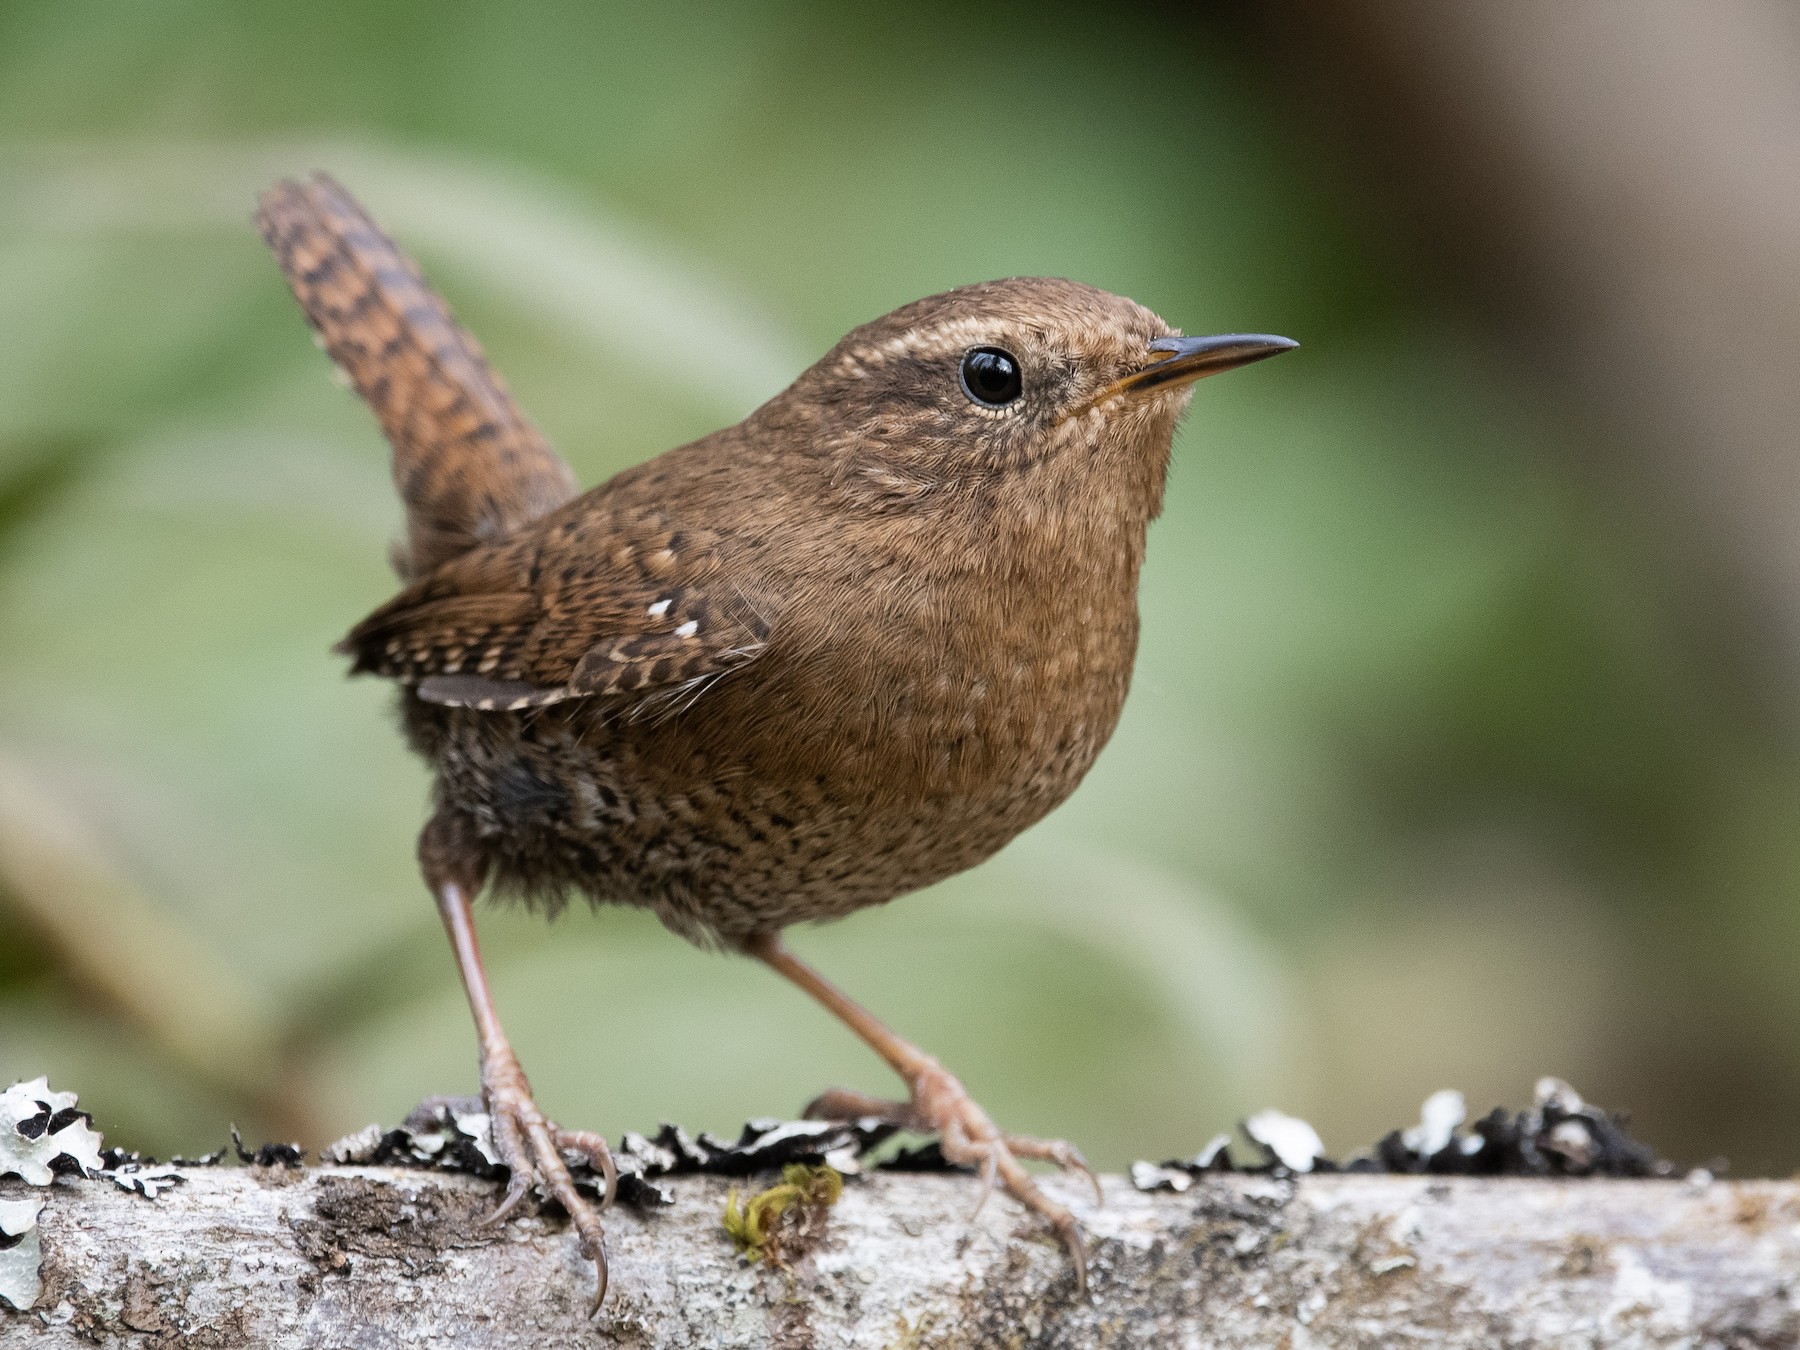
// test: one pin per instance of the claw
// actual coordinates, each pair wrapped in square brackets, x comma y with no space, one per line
[1070,1233]
[594,1149]
[937,1102]
[593,1246]
[515,1192]
[530,1147]
[990,1168]
[1059,1151]
[599,1288]
[968,1137]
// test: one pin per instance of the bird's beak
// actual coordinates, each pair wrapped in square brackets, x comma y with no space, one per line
[1190,358]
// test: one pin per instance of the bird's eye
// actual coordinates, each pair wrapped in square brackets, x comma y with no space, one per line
[991,376]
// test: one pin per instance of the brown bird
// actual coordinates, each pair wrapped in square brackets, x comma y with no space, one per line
[832,654]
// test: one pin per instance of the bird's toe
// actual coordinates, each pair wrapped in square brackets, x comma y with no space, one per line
[530,1146]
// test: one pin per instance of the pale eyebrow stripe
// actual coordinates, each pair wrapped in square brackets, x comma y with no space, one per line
[949,335]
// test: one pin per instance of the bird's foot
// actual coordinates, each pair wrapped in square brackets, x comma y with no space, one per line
[968,1137]
[532,1149]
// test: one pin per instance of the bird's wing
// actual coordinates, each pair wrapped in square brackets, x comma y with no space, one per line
[595,601]
[470,466]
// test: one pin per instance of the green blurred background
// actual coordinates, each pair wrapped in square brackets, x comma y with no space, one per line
[1462,747]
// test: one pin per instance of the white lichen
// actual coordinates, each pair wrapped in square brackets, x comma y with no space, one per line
[20,1261]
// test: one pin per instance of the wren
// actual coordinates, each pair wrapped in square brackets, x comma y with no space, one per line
[809,663]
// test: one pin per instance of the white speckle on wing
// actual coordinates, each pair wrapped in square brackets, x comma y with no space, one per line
[660,608]
[688,629]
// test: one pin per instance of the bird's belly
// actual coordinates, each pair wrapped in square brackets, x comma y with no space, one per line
[736,817]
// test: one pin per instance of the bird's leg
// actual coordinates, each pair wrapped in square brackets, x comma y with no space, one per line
[938,1104]
[527,1143]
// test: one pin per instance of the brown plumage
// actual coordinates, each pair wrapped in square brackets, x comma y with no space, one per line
[468,464]
[809,663]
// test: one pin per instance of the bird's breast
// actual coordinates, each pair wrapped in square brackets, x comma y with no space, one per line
[907,738]
[991,689]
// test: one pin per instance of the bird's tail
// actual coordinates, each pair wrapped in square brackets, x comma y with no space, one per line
[468,464]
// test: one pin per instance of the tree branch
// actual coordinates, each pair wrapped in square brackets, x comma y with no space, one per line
[375,1256]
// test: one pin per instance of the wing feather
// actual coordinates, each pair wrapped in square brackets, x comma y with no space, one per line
[591,603]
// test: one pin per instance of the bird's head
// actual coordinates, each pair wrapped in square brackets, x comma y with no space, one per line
[945,401]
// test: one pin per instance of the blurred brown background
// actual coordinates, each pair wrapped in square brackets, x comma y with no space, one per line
[1463,746]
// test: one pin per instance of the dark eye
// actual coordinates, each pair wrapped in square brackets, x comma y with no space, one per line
[991,376]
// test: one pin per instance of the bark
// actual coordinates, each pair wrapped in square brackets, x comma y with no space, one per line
[376,1257]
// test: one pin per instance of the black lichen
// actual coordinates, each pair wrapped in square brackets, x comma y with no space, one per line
[1558,1136]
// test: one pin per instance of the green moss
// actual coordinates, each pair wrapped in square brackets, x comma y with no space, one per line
[752,1225]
